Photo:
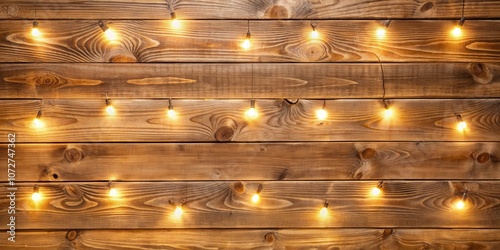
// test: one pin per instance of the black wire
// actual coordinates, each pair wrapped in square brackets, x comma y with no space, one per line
[463,8]
[383,78]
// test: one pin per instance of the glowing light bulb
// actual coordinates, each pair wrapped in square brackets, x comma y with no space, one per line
[381,33]
[461,126]
[110,35]
[36,196]
[246,44]
[35,31]
[113,192]
[178,211]
[171,113]
[176,23]
[255,198]
[37,122]
[460,205]
[321,114]
[376,191]
[323,212]
[388,113]
[314,34]
[252,113]
[457,31]
[110,110]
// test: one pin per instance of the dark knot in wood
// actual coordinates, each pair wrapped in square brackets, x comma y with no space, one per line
[426,7]
[387,232]
[270,238]
[71,235]
[239,187]
[277,11]
[73,154]
[481,73]
[224,133]
[483,158]
[368,153]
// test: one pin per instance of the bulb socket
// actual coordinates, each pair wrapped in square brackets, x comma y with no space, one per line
[380,184]
[461,22]
[173,16]
[459,118]
[36,189]
[35,24]
[103,26]
[39,114]
[326,204]
[259,189]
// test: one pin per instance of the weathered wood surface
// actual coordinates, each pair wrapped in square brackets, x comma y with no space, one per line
[256,161]
[283,204]
[274,41]
[259,239]
[263,80]
[223,9]
[224,120]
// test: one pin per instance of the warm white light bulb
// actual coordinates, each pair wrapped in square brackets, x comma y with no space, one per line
[321,114]
[457,31]
[252,113]
[388,113]
[38,123]
[110,110]
[255,198]
[460,205]
[314,34]
[381,33]
[35,32]
[178,211]
[110,35]
[113,192]
[171,113]
[461,126]
[36,196]
[176,23]
[376,191]
[246,44]
[323,212]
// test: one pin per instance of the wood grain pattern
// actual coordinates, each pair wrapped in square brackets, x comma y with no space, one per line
[274,41]
[221,9]
[264,80]
[224,120]
[283,204]
[256,161]
[259,238]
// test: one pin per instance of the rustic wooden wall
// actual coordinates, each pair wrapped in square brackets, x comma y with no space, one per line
[213,159]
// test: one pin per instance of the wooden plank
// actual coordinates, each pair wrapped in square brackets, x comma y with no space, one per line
[274,41]
[264,80]
[224,120]
[283,204]
[258,238]
[256,161]
[221,9]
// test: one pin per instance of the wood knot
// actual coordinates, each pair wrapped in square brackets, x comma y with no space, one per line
[73,155]
[71,235]
[368,153]
[224,133]
[483,158]
[12,10]
[283,175]
[239,187]
[277,12]
[49,80]
[426,7]
[387,232]
[122,59]
[270,238]
[481,73]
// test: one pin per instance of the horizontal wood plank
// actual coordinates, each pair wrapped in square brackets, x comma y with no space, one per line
[283,204]
[255,161]
[258,238]
[224,120]
[221,9]
[262,80]
[273,41]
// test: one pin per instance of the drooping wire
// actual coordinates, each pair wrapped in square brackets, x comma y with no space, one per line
[383,80]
